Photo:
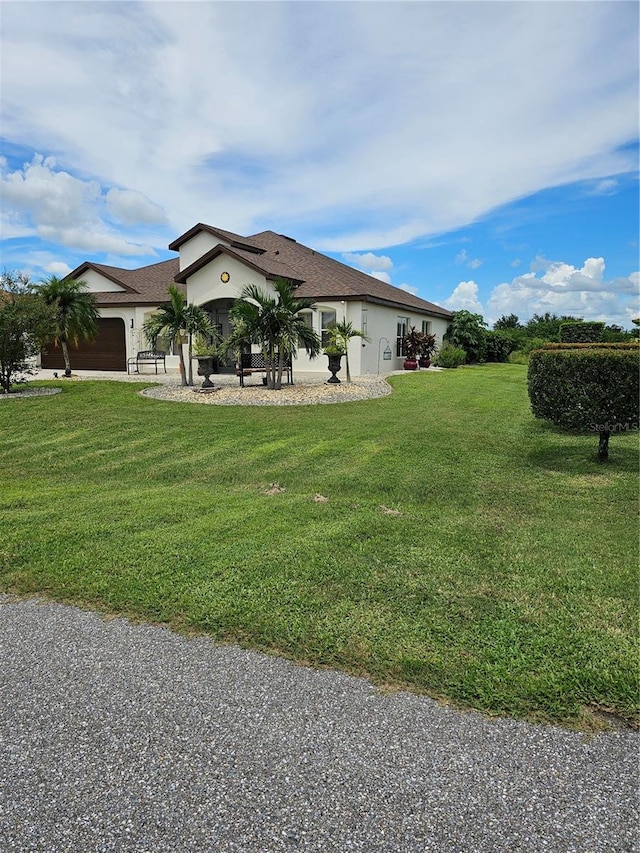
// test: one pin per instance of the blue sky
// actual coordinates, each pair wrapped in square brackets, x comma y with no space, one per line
[483,155]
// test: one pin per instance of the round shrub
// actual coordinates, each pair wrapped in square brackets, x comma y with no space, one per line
[451,356]
[591,389]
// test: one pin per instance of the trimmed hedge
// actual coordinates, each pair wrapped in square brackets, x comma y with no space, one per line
[587,388]
[581,332]
[630,345]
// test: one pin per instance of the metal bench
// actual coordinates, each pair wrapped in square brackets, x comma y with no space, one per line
[253,362]
[146,357]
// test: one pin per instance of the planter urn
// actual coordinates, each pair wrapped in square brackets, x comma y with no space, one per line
[335,365]
[207,364]
[410,364]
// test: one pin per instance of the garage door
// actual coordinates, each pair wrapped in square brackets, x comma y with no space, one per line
[106,352]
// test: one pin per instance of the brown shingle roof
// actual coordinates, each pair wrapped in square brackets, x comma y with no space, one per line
[320,277]
[271,254]
[326,278]
[144,286]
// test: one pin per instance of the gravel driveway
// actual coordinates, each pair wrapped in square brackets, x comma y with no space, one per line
[122,737]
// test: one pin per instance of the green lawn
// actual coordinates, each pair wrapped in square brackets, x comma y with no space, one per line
[504,580]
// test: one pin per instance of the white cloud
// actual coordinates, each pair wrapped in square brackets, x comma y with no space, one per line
[516,262]
[133,208]
[463,258]
[188,106]
[60,208]
[409,288]
[368,261]
[563,289]
[58,268]
[465,297]
[605,187]
[381,275]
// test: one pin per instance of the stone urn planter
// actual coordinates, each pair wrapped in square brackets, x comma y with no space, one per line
[335,365]
[207,364]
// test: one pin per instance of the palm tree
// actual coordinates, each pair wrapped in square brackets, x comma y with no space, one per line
[274,322]
[340,334]
[76,313]
[176,319]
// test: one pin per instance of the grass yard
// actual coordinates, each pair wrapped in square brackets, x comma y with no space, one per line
[466,550]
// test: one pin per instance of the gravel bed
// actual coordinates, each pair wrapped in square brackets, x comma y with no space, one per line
[124,737]
[30,392]
[300,394]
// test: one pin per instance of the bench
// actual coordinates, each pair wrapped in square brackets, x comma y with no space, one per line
[146,357]
[253,362]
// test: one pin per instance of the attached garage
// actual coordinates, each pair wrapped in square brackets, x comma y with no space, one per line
[107,352]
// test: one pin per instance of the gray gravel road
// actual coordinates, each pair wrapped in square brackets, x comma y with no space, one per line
[122,737]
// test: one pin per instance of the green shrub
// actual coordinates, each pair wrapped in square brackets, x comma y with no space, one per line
[498,346]
[533,343]
[468,331]
[581,332]
[518,357]
[592,389]
[450,356]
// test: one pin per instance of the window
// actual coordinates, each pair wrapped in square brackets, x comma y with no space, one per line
[426,327]
[328,318]
[307,316]
[403,326]
[363,321]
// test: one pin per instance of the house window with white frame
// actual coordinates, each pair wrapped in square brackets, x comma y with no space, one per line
[307,316]
[426,327]
[403,326]
[327,318]
[364,321]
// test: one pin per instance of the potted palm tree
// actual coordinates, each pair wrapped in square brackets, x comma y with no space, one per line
[334,354]
[205,350]
[339,336]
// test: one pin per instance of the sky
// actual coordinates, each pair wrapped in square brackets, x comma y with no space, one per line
[482,155]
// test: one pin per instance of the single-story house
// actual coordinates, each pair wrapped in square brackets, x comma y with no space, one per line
[213,266]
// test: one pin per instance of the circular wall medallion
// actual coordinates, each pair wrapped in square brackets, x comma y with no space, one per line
[225,277]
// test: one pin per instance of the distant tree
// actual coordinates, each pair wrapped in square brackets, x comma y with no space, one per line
[467,331]
[547,326]
[76,313]
[26,321]
[509,321]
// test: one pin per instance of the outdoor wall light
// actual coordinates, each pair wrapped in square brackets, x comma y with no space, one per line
[386,355]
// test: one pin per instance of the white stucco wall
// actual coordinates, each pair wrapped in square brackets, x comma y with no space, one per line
[97,283]
[205,284]
[196,247]
[364,357]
